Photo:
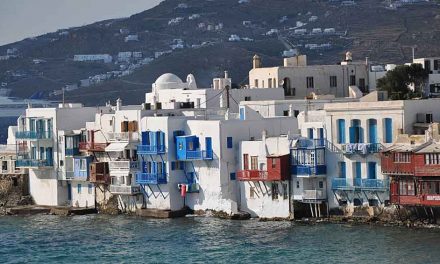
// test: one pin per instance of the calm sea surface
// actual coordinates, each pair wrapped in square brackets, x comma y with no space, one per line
[122,239]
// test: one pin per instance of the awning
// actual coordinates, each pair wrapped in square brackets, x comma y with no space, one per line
[116,147]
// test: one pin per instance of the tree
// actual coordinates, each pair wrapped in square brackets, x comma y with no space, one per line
[397,82]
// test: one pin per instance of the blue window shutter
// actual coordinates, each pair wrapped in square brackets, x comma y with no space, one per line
[242,115]
[352,134]
[229,142]
[358,170]
[321,132]
[361,135]
[144,138]
[79,188]
[173,165]
[232,176]
[310,133]
[388,130]
[341,131]
[343,170]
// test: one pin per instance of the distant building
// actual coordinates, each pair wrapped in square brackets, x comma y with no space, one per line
[131,38]
[106,58]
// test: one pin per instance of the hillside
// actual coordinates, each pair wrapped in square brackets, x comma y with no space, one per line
[45,64]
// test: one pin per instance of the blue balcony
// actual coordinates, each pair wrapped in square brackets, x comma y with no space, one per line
[304,170]
[198,155]
[371,184]
[342,184]
[32,163]
[72,151]
[33,135]
[151,178]
[150,149]
[188,148]
[361,148]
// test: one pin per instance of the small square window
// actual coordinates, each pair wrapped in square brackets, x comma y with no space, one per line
[232,176]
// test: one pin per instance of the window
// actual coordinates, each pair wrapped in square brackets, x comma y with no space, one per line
[402,157]
[274,163]
[110,122]
[61,163]
[269,83]
[90,189]
[333,81]
[436,65]
[83,164]
[285,192]
[254,162]
[406,187]
[356,132]
[321,184]
[372,170]
[310,83]
[229,142]
[341,131]
[232,176]
[310,133]
[245,161]
[295,113]
[256,83]
[286,113]
[78,188]
[4,165]
[362,84]
[177,165]
[297,184]
[352,80]
[275,191]
[432,159]
[247,98]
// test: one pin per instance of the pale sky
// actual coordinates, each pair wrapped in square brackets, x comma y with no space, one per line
[21,19]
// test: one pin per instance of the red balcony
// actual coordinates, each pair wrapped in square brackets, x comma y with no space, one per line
[92,146]
[416,200]
[252,175]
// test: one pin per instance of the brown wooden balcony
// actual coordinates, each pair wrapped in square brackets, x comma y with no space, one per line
[252,175]
[99,173]
[92,147]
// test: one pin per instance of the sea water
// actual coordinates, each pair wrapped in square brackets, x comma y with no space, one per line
[124,239]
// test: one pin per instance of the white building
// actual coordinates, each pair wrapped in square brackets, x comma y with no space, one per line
[106,58]
[300,80]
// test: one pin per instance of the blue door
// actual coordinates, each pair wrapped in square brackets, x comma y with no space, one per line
[372,170]
[356,132]
[49,156]
[342,170]
[358,170]
[69,191]
[208,144]
[372,130]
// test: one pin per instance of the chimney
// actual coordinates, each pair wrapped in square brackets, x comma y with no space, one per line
[118,104]
[226,75]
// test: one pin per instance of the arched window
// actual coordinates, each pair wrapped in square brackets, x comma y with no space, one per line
[356,132]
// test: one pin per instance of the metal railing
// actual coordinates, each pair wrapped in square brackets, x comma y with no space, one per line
[33,163]
[361,148]
[122,165]
[252,175]
[360,184]
[72,151]
[121,189]
[33,135]
[150,149]
[151,178]
[314,195]
[123,136]
[199,154]
[311,143]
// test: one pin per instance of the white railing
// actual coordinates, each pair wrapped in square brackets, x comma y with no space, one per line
[121,189]
[123,136]
[314,195]
[122,165]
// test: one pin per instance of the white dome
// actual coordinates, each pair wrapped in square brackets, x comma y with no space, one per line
[168,81]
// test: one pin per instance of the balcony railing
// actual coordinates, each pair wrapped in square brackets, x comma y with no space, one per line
[199,155]
[311,143]
[373,184]
[150,149]
[32,163]
[305,170]
[361,148]
[314,195]
[123,136]
[123,165]
[151,178]
[33,135]
[127,190]
[360,184]
[252,175]
[91,146]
